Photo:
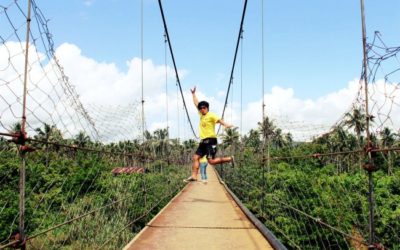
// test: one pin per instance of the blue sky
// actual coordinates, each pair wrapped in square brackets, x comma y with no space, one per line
[312,46]
[313,53]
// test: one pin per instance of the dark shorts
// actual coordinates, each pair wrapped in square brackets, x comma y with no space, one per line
[207,147]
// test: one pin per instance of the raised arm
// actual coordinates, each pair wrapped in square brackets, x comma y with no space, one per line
[195,100]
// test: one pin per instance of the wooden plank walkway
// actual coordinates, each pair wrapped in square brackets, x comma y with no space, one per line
[201,216]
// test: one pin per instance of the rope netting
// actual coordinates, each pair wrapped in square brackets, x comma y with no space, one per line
[310,183]
[73,200]
[51,98]
[307,181]
[91,182]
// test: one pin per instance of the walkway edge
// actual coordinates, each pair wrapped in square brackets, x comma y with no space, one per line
[271,238]
[155,217]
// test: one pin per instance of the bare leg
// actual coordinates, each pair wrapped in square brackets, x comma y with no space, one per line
[195,166]
[219,160]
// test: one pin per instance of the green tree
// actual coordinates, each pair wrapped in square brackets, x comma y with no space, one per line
[387,140]
[266,128]
[81,139]
[252,140]
[230,137]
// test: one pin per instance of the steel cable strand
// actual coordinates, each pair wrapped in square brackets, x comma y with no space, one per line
[92,182]
[70,211]
[60,225]
[252,187]
[116,219]
[277,229]
[17,215]
[302,223]
[341,206]
[330,206]
[175,67]
[63,206]
[320,222]
[275,175]
[319,205]
[234,61]
[34,39]
[81,216]
[145,192]
[136,219]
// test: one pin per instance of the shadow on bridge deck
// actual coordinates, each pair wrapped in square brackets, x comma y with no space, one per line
[201,216]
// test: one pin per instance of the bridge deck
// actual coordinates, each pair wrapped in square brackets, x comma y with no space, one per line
[202,216]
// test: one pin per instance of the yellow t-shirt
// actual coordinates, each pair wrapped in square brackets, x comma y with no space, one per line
[207,125]
[203,159]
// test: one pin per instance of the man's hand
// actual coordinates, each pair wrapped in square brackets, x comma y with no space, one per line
[195,101]
[226,125]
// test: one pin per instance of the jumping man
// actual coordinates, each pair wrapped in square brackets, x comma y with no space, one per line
[208,137]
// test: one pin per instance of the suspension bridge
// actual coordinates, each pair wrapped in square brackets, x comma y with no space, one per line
[77,176]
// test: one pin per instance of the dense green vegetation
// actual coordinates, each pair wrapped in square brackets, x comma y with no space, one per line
[63,184]
[311,201]
[309,196]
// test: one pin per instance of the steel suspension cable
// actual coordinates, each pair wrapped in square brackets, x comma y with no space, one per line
[241,86]
[68,221]
[156,204]
[234,61]
[175,68]
[319,221]
[141,68]
[166,83]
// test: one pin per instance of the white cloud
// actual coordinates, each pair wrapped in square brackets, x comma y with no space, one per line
[104,84]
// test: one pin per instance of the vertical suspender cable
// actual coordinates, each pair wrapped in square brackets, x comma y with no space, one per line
[265,140]
[262,60]
[142,80]
[166,83]
[241,85]
[166,96]
[367,117]
[141,68]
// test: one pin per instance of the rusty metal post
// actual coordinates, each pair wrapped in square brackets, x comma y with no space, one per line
[22,169]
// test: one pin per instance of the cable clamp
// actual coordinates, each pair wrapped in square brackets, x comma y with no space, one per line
[316,155]
[20,239]
[19,138]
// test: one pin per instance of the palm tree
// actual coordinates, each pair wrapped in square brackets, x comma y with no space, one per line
[230,138]
[161,144]
[147,135]
[387,140]
[357,120]
[277,138]
[190,144]
[288,140]
[253,139]
[45,133]
[266,128]
[81,139]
